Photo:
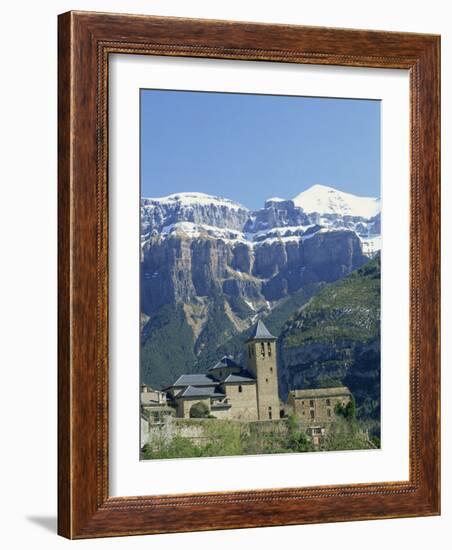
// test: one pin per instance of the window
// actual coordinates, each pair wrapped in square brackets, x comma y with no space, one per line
[328,402]
[240,389]
[311,403]
[271,369]
[266,379]
[312,414]
[269,349]
[269,413]
[262,349]
[328,412]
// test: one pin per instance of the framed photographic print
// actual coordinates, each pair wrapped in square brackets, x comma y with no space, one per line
[248,275]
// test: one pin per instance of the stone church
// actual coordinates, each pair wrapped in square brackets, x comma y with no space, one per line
[230,390]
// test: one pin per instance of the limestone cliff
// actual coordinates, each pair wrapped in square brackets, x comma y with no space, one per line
[210,267]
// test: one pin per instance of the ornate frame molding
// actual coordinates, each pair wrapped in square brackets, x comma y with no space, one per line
[85,42]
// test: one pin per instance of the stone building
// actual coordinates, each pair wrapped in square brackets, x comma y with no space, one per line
[151,397]
[230,390]
[261,348]
[316,408]
[154,404]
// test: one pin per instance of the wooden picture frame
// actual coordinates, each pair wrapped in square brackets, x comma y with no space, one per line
[86,40]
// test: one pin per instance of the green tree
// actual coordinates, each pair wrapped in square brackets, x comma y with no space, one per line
[199,410]
[298,441]
[350,409]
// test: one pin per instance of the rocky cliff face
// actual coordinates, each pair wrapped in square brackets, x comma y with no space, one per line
[220,265]
[196,208]
[180,268]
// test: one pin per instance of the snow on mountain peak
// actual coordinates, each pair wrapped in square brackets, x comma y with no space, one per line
[326,200]
[194,198]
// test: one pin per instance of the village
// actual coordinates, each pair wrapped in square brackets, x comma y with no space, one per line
[247,395]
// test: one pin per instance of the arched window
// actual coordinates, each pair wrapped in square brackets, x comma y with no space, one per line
[240,389]
[269,349]
[262,349]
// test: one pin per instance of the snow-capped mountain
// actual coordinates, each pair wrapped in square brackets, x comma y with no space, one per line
[210,266]
[319,209]
[158,214]
[326,200]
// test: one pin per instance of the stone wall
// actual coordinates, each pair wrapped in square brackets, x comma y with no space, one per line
[195,430]
[253,438]
[242,398]
[313,410]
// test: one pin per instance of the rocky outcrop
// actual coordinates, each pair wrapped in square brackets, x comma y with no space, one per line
[196,208]
[179,269]
[295,221]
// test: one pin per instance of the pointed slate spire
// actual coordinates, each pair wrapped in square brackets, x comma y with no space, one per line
[261,332]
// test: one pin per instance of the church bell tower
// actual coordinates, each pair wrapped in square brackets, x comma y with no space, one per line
[261,351]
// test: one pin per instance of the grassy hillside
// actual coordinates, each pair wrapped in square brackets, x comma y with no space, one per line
[334,340]
[348,309]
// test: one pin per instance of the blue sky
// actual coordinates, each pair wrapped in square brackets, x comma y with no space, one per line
[249,147]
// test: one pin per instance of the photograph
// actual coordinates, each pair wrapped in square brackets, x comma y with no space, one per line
[227,225]
[260,258]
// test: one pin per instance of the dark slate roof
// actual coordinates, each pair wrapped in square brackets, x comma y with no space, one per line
[225,362]
[194,380]
[192,391]
[260,332]
[242,376]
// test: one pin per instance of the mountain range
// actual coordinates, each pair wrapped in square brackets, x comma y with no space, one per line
[210,267]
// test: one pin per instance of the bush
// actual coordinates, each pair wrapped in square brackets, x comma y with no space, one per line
[199,410]
[298,441]
[178,447]
[350,409]
[345,435]
[348,412]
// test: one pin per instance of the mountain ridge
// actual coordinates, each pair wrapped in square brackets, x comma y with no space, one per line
[210,268]
[319,208]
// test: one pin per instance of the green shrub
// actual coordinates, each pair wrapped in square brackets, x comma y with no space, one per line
[348,411]
[199,410]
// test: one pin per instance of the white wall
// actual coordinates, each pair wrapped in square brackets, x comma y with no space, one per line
[28,274]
